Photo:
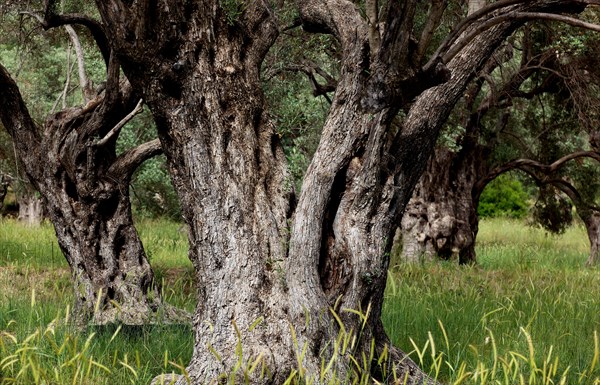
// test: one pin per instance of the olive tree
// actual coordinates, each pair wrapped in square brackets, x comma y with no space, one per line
[72,162]
[277,278]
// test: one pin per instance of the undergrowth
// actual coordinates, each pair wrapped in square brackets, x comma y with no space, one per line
[528,314]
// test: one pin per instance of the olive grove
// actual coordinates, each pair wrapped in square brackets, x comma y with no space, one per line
[281,277]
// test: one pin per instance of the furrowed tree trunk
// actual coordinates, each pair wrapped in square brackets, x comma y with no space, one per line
[31,210]
[4,183]
[229,171]
[84,188]
[269,291]
[441,218]
[592,226]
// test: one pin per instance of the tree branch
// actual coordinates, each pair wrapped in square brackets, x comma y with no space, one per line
[531,166]
[116,129]
[15,117]
[310,69]
[84,82]
[52,20]
[63,94]
[340,18]
[126,164]
[466,23]
[372,8]
[511,16]
[433,21]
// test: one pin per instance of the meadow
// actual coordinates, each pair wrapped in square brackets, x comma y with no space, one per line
[528,313]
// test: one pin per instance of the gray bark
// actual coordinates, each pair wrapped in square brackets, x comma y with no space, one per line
[592,226]
[84,188]
[200,78]
[441,219]
[31,209]
[4,183]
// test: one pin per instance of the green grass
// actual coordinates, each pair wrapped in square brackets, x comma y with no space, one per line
[508,244]
[35,295]
[527,314]
[527,284]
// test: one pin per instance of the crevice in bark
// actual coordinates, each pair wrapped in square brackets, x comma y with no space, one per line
[334,265]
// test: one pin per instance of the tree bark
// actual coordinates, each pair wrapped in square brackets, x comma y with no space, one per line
[441,218]
[592,225]
[197,66]
[4,183]
[545,174]
[589,215]
[85,190]
[31,209]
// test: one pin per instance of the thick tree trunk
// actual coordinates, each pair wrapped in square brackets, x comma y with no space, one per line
[113,281]
[31,209]
[441,218]
[229,171]
[592,225]
[267,291]
[4,183]
[84,188]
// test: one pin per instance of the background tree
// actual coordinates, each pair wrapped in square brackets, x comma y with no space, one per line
[515,109]
[72,162]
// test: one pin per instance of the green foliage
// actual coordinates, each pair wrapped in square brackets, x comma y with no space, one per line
[552,211]
[152,194]
[297,113]
[505,196]
[233,10]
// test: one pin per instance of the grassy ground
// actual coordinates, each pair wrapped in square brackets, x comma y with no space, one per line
[527,312]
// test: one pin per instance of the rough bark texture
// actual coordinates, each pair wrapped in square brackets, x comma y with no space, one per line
[31,209]
[592,225]
[3,190]
[201,81]
[197,66]
[441,219]
[84,188]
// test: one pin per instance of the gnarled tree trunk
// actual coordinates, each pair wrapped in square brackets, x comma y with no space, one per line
[441,219]
[268,291]
[31,209]
[84,187]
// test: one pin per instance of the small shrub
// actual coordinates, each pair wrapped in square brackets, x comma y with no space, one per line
[504,197]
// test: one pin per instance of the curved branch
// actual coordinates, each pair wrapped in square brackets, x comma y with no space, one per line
[574,195]
[126,164]
[523,16]
[84,82]
[466,23]
[340,18]
[447,51]
[15,117]
[433,20]
[531,166]
[116,129]
[52,20]
[311,70]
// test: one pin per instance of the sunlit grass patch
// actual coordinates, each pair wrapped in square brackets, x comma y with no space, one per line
[28,246]
[508,243]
